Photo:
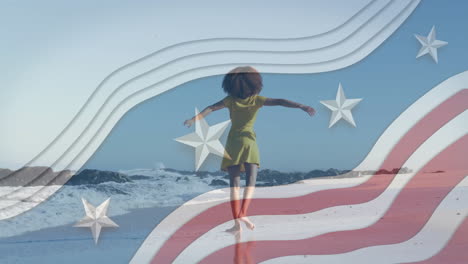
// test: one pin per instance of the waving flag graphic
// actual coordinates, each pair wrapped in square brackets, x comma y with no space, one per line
[403,204]
[95,165]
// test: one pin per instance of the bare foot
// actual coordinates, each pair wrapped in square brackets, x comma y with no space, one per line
[247,222]
[235,229]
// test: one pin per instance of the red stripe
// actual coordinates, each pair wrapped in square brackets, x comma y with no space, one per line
[408,214]
[373,187]
[455,252]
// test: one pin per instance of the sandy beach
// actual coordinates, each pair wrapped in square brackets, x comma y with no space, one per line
[65,244]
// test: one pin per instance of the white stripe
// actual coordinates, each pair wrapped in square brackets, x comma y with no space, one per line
[338,218]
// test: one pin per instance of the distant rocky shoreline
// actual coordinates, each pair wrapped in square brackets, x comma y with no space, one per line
[265,177]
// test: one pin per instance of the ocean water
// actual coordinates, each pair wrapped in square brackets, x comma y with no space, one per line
[161,188]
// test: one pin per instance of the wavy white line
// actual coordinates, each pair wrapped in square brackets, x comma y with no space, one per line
[152,62]
[173,67]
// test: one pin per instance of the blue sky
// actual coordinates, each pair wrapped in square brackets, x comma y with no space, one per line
[389,80]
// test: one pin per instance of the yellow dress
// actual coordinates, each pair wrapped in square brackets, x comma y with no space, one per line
[241,145]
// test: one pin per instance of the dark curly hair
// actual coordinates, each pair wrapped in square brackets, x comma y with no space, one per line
[242,82]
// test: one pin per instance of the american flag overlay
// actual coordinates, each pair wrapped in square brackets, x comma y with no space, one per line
[102,158]
[405,207]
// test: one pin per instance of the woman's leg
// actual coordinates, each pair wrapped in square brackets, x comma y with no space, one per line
[251,179]
[243,251]
[234,183]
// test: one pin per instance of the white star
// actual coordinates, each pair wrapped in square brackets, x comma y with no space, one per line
[205,140]
[341,107]
[96,218]
[430,44]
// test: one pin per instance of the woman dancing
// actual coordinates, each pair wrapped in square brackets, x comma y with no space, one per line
[243,85]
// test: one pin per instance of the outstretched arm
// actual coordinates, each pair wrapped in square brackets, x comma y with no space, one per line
[205,112]
[288,103]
